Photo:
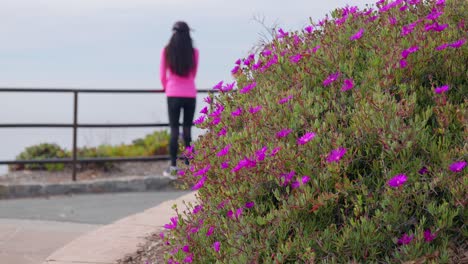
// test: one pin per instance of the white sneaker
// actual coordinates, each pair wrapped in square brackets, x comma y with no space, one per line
[171,172]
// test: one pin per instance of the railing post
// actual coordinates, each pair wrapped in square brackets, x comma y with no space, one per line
[75,128]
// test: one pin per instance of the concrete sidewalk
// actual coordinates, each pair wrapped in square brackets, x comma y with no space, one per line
[108,244]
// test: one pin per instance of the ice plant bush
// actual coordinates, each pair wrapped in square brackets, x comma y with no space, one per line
[339,155]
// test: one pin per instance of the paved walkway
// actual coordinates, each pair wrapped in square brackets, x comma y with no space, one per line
[107,244]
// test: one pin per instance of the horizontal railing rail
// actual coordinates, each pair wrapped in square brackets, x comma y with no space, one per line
[74,160]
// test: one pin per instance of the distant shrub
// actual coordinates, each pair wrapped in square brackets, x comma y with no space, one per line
[344,142]
[152,144]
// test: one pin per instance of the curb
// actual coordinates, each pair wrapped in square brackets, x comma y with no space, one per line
[123,184]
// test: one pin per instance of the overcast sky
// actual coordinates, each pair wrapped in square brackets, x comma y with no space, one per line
[116,43]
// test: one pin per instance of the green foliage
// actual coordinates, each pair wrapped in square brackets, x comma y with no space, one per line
[391,122]
[152,144]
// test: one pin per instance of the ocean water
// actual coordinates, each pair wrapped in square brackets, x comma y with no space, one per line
[92,108]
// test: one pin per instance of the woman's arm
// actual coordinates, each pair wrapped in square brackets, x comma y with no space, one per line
[196,56]
[163,69]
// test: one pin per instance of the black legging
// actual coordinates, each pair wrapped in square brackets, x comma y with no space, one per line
[174,107]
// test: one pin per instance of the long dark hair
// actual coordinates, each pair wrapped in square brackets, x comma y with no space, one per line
[179,51]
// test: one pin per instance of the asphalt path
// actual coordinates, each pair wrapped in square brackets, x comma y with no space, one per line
[33,228]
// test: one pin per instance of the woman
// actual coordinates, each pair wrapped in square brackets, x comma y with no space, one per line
[179,63]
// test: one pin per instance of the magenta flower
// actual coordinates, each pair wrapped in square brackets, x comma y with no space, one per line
[255,109]
[216,121]
[222,132]
[257,65]
[285,99]
[441,89]
[393,21]
[406,30]
[423,170]
[218,85]
[275,151]
[204,110]
[248,88]
[237,112]
[235,70]
[348,84]
[172,224]
[203,171]
[225,165]
[336,155]
[266,52]
[224,151]
[457,166]
[295,185]
[435,27]
[358,35]
[405,53]
[199,184]
[216,246]
[314,50]
[429,236]
[228,87]
[305,138]
[238,62]
[305,179]
[281,33]
[230,214]
[403,8]
[397,180]
[244,163]
[440,2]
[331,78]
[283,133]
[435,13]
[188,259]
[207,100]
[194,230]
[260,154]
[210,231]
[296,58]
[309,29]
[249,205]
[161,235]
[458,43]
[197,209]
[239,212]
[442,47]
[186,249]
[405,239]
[286,178]
[199,120]
[403,63]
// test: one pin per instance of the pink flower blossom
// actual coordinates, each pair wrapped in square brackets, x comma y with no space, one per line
[283,133]
[260,154]
[397,180]
[305,138]
[429,236]
[405,53]
[228,87]
[405,239]
[161,235]
[238,62]
[336,155]
[281,33]
[235,70]
[255,109]
[199,184]
[188,259]
[266,52]
[216,121]
[458,43]
[224,151]
[257,65]
[442,47]
[210,231]
[239,212]
[197,209]
[172,224]
[403,63]
[222,132]
[406,30]
[248,88]
[348,84]
[204,110]
[457,166]
[275,151]
[199,120]
[237,112]
[295,185]
[314,50]
[331,78]
[285,99]
[244,163]
[309,29]
[225,165]
[203,171]
[358,35]
[216,246]
[441,89]
[218,85]
[440,2]
[435,13]
[186,249]
[393,21]
[296,58]
[249,205]
[423,170]
[286,178]
[305,179]
[435,27]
